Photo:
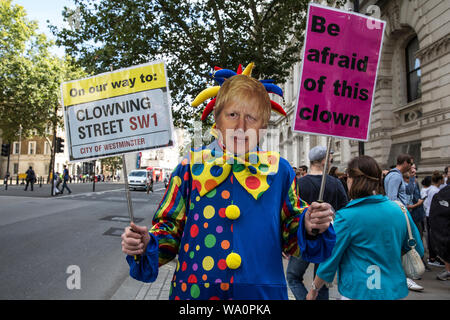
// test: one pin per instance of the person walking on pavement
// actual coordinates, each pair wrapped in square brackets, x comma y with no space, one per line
[415,207]
[371,233]
[149,181]
[436,180]
[31,178]
[65,180]
[395,188]
[446,178]
[440,224]
[308,190]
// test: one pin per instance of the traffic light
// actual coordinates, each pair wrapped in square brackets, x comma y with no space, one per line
[5,149]
[59,145]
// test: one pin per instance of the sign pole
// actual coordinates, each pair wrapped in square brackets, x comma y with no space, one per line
[325,170]
[360,143]
[127,192]
[324,177]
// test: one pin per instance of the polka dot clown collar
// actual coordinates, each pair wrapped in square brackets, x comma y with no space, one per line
[211,166]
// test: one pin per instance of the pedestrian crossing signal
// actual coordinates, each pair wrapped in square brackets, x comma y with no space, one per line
[59,145]
[5,149]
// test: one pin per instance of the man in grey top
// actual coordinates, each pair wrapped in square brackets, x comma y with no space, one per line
[395,188]
[394,185]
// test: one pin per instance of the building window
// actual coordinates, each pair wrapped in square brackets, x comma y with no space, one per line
[16,168]
[413,72]
[32,147]
[47,148]
[16,147]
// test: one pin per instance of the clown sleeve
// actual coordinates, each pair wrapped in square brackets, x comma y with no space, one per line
[295,238]
[168,225]
[293,208]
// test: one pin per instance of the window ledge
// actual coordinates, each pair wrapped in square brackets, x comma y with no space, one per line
[409,105]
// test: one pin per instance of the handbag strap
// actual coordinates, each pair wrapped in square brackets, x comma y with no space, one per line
[411,240]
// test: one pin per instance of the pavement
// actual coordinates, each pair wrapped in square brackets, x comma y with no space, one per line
[132,289]
[44,190]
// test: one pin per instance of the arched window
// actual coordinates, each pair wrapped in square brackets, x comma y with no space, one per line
[413,72]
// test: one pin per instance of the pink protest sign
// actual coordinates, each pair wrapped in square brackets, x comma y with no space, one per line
[339,71]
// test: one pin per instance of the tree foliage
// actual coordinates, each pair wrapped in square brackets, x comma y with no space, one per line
[30,76]
[191,36]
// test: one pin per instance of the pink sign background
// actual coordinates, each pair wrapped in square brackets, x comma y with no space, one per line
[331,112]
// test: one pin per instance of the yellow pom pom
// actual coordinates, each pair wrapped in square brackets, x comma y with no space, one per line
[232,212]
[233,260]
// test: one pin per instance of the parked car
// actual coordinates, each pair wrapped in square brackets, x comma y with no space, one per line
[137,179]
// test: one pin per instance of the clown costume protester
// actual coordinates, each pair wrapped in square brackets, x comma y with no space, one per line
[230,209]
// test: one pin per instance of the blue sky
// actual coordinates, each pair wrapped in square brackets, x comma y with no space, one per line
[43,10]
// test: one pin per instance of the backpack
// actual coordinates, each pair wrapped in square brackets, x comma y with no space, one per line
[440,223]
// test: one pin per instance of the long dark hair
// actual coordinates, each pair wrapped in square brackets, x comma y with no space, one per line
[366,175]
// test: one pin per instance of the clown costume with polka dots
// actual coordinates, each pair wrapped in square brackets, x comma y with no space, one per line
[227,219]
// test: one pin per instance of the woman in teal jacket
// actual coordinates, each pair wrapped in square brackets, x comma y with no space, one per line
[371,235]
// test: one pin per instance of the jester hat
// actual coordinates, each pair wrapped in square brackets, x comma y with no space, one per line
[220,75]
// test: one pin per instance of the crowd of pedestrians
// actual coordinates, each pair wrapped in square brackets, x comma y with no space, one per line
[370,226]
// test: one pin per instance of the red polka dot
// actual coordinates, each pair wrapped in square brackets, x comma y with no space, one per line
[214,298]
[196,185]
[252,182]
[186,176]
[231,228]
[222,264]
[222,213]
[177,298]
[194,231]
[232,279]
[231,179]
[210,184]
[184,266]
[192,279]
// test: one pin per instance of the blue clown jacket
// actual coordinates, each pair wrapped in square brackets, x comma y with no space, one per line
[229,222]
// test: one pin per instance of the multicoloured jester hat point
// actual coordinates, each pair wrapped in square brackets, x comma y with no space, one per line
[220,75]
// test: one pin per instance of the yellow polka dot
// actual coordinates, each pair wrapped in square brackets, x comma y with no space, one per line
[197,247]
[206,285]
[197,198]
[233,260]
[232,212]
[208,263]
[209,212]
[178,265]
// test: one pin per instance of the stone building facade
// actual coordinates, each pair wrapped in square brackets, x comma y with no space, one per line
[411,110]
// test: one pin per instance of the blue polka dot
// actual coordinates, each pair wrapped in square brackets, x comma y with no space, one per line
[252,169]
[197,169]
[216,171]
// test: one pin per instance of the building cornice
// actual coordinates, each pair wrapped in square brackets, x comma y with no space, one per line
[435,50]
